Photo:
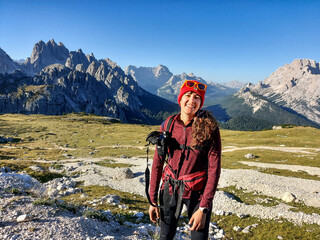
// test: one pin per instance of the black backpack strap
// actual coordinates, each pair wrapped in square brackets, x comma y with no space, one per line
[150,138]
[170,122]
[147,176]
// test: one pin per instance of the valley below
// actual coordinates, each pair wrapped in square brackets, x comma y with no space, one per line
[82,177]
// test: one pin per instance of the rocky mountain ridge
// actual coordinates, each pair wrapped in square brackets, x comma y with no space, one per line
[159,80]
[6,63]
[149,78]
[74,82]
[80,82]
[294,86]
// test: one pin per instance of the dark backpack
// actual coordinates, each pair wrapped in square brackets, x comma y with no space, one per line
[194,182]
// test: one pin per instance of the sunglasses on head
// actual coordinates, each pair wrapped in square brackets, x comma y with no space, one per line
[193,84]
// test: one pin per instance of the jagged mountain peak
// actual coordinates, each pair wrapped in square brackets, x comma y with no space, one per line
[7,65]
[295,86]
[149,78]
[161,69]
[75,58]
[298,69]
[301,63]
[110,62]
[52,42]
[60,44]
[44,54]
[235,84]
[191,75]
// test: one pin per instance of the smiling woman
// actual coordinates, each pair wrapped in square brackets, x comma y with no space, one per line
[191,99]
[193,166]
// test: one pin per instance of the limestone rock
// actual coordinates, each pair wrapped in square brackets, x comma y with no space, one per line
[295,86]
[24,218]
[249,156]
[123,173]
[288,197]
[65,82]
[7,65]
[159,80]
[45,54]
[237,228]
[5,170]
[36,168]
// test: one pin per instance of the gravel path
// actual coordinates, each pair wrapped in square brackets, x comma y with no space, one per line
[295,168]
[93,174]
[304,190]
[271,185]
[224,204]
[280,148]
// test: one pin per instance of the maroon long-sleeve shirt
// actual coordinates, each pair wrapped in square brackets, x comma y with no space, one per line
[209,160]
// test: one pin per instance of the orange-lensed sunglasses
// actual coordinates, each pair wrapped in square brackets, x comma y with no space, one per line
[192,84]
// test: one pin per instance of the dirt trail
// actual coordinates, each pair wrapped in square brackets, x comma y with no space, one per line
[280,148]
[251,180]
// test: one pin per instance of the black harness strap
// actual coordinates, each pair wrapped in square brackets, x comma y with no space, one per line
[147,174]
[147,171]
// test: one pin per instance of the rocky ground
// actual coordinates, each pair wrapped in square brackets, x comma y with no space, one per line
[21,218]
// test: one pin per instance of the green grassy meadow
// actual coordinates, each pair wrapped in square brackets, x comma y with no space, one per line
[50,139]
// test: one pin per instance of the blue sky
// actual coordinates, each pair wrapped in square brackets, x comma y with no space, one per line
[219,41]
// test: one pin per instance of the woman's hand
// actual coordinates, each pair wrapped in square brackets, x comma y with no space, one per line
[197,220]
[154,213]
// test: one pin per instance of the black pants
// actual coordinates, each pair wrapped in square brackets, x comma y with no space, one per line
[169,223]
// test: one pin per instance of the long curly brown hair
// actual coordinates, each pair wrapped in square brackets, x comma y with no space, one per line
[203,127]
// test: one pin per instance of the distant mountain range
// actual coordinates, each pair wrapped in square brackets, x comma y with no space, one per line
[55,80]
[290,95]
[159,80]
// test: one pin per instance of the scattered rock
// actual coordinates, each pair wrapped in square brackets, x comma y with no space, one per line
[247,229]
[59,187]
[240,215]
[249,156]
[5,139]
[123,173]
[21,182]
[67,155]
[237,228]
[5,170]
[220,212]
[83,195]
[123,206]
[219,235]
[111,199]
[36,168]
[288,197]
[70,168]
[139,215]
[24,218]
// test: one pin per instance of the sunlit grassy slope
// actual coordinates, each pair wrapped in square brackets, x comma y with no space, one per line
[47,138]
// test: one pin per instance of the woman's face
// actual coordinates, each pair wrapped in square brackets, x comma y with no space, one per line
[190,103]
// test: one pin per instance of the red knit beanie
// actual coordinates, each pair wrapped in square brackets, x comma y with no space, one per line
[185,89]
